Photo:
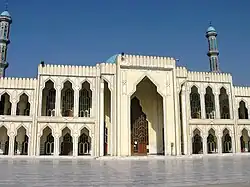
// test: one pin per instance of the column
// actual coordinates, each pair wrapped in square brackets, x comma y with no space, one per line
[233,141]
[231,105]
[217,105]
[76,102]
[58,101]
[184,119]
[203,111]
[219,143]
[11,144]
[204,140]
[165,126]
[13,108]
[101,118]
[38,143]
[75,145]
[56,145]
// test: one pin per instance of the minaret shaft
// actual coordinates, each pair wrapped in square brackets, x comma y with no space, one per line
[213,52]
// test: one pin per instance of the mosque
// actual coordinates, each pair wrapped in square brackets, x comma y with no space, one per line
[129,105]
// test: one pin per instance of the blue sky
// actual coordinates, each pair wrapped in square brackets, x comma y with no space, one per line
[85,32]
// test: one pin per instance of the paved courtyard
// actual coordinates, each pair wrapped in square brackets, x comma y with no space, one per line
[230,171]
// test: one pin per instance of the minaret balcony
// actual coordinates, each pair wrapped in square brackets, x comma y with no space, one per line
[213,52]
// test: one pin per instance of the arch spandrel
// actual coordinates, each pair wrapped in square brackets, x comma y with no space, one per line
[158,79]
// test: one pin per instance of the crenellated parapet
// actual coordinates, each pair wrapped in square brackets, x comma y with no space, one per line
[78,71]
[242,91]
[181,72]
[107,68]
[140,61]
[17,83]
[209,77]
[68,70]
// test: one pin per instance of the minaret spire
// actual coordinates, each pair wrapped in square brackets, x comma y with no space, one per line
[213,52]
[5,22]
[6,5]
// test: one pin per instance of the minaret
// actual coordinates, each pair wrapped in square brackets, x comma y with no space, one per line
[5,22]
[213,51]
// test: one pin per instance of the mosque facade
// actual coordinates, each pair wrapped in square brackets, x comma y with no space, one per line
[129,105]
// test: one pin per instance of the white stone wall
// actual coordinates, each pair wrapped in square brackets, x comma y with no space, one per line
[173,85]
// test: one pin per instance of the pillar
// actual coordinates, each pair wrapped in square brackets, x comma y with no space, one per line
[184,119]
[56,145]
[204,139]
[76,102]
[75,145]
[101,119]
[217,105]
[38,143]
[233,141]
[11,144]
[58,101]
[13,108]
[203,110]
[165,126]
[219,143]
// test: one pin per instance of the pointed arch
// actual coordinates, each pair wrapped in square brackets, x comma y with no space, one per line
[23,106]
[85,100]
[67,99]
[212,142]
[84,142]
[224,104]
[145,75]
[47,141]
[4,141]
[47,126]
[5,104]
[195,104]
[197,142]
[209,103]
[242,110]
[66,142]
[48,99]
[87,81]
[21,141]
[226,141]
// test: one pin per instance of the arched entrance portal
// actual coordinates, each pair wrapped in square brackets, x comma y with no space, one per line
[139,129]
[146,119]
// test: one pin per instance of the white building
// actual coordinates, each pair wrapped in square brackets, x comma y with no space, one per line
[129,105]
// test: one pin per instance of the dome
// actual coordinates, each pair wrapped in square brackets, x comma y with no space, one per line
[211,29]
[5,13]
[112,59]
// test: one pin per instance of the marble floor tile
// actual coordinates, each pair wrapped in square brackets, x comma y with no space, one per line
[207,171]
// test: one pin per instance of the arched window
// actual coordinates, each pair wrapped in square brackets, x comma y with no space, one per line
[67,100]
[85,100]
[5,105]
[211,142]
[227,142]
[48,99]
[224,104]
[209,103]
[197,142]
[195,103]
[23,106]
[242,110]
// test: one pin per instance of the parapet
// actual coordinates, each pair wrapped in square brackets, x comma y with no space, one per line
[70,70]
[181,72]
[241,91]
[17,83]
[209,77]
[146,61]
